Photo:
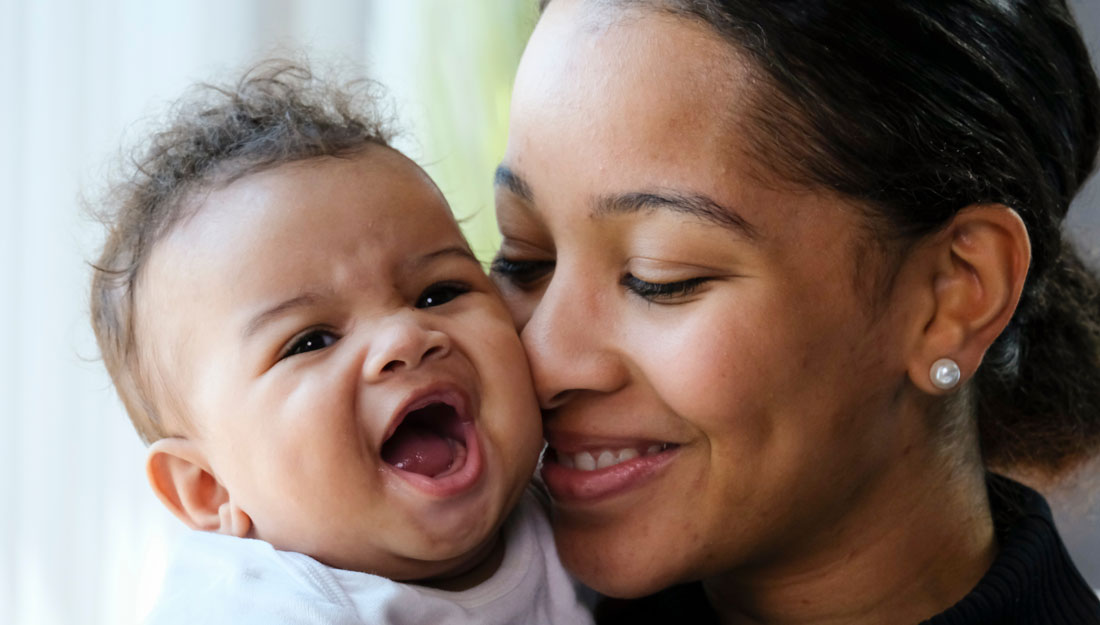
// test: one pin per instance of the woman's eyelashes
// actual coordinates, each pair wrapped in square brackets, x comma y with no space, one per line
[662,291]
[521,273]
[526,273]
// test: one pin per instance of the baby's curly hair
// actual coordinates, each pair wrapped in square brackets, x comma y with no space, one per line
[277,113]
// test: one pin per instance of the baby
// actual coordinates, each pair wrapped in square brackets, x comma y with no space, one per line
[332,392]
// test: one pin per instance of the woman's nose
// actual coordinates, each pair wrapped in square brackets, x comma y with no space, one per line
[571,347]
[401,342]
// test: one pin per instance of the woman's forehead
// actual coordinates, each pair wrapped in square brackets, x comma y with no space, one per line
[634,91]
[579,52]
[648,106]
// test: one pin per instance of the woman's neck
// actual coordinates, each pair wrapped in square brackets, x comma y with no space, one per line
[917,543]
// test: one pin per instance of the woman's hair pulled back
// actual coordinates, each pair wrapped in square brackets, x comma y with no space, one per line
[918,109]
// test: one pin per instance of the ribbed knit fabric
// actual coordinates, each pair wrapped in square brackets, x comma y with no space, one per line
[1031,582]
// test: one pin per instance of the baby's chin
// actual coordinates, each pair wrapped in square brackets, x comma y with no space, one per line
[420,527]
[432,561]
[469,569]
[437,543]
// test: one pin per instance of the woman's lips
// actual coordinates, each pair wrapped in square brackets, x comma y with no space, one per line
[595,473]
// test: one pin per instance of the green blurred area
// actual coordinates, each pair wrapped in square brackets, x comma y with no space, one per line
[472,50]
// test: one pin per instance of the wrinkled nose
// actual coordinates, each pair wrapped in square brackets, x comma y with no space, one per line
[401,342]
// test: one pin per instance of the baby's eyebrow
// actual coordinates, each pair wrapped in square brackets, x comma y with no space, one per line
[452,250]
[265,317]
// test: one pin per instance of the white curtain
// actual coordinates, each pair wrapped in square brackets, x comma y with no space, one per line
[82,540]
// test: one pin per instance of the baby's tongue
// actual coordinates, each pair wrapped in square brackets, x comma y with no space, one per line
[418,450]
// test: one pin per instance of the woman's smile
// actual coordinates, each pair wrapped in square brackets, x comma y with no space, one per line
[598,471]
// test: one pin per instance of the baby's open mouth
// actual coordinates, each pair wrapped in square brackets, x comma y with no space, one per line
[429,441]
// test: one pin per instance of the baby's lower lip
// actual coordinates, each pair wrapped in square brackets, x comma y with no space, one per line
[594,474]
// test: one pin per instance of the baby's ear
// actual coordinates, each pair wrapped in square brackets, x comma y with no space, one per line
[183,481]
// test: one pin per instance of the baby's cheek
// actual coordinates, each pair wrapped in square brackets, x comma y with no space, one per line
[502,348]
[505,379]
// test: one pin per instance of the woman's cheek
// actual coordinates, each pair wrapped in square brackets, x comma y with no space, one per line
[519,304]
[723,360]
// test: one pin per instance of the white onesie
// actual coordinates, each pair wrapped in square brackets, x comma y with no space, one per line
[222,579]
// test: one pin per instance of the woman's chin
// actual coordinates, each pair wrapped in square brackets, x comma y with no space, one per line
[616,568]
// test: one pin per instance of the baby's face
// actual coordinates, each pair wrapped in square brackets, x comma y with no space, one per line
[347,369]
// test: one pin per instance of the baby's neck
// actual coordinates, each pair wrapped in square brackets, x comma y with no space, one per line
[476,570]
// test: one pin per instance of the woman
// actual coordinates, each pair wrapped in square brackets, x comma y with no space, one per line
[791,278]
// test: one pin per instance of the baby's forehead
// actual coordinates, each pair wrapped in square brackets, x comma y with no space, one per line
[376,194]
[328,223]
[371,179]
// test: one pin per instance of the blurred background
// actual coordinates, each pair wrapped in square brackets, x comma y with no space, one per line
[82,539]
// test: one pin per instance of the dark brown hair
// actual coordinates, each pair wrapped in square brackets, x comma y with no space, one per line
[277,113]
[918,109]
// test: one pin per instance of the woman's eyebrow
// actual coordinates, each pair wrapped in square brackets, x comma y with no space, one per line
[510,180]
[696,205]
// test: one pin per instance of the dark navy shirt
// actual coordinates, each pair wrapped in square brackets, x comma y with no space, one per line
[1032,580]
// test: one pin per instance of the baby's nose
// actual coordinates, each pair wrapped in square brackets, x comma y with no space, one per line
[404,341]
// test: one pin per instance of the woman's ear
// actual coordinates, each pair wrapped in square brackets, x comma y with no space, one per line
[184,483]
[971,276]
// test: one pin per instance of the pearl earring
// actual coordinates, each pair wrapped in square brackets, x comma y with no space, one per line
[945,373]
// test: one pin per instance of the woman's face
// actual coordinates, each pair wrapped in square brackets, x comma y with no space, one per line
[712,379]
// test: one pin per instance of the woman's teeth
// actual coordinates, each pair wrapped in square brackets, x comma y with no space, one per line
[593,460]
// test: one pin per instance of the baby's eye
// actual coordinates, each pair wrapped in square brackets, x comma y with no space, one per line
[665,292]
[310,341]
[440,293]
[521,273]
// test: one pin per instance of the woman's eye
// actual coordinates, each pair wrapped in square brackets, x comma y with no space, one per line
[521,273]
[662,291]
[310,341]
[441,293]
